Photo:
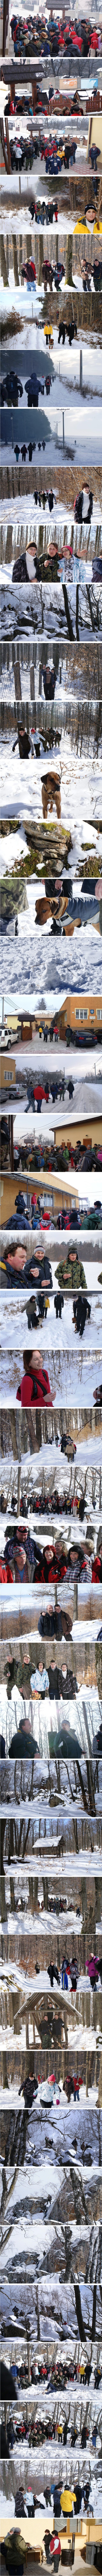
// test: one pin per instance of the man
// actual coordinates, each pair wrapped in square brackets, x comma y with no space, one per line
[8,2380]
[30,2089]
[65,1745]
[70,1270]
[20,2501]
[15,2552]
[49,681]
[11,387]
[55,1623]
[23,1742]
[33,388]
[81,1313]
[35,1272]
[83,506]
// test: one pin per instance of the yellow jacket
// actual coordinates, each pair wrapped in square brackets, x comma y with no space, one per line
[67,2498]
[83,227]
[48,333]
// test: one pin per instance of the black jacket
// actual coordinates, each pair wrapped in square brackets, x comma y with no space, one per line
[23,1743]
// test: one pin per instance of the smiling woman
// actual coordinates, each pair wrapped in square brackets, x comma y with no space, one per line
[35,1385]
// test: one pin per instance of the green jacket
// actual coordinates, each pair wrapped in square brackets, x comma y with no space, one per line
[70,1271]
[15,2548]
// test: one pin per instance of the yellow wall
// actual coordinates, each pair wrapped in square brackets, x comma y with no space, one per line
[76,1011]
[8,1072]
[95,133]
[88,1127]
[8,1191]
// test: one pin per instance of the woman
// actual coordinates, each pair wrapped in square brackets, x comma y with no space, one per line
[35,1386]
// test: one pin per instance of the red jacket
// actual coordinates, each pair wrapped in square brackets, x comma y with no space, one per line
[5,1573]
[39,1091]
[55,2545]
[97,1570]
[35,1390]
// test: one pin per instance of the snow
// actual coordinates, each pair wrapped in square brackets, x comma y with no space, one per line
[21,789]
[60,1332]
[65,368]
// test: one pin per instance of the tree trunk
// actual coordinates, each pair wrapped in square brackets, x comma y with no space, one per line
[93,2328]
[38,2319]
[81,2326]
[4,1914]
[3,264]
[15,260]
[18,1491]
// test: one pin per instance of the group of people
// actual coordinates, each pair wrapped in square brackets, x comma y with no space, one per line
[47,566]
[33,2431]
[45,1501]
[46,1155]
[43,1087]
[56,2373]
[28,1561]
[51,35]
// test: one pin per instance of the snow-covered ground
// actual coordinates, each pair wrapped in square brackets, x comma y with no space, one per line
[21,793]
[64,368]
[82,539]
[45,980]
[82,431]
[60,1331]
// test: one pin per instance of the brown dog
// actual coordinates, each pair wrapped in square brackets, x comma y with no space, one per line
[51,793]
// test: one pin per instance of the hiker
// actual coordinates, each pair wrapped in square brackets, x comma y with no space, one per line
[81,1312]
